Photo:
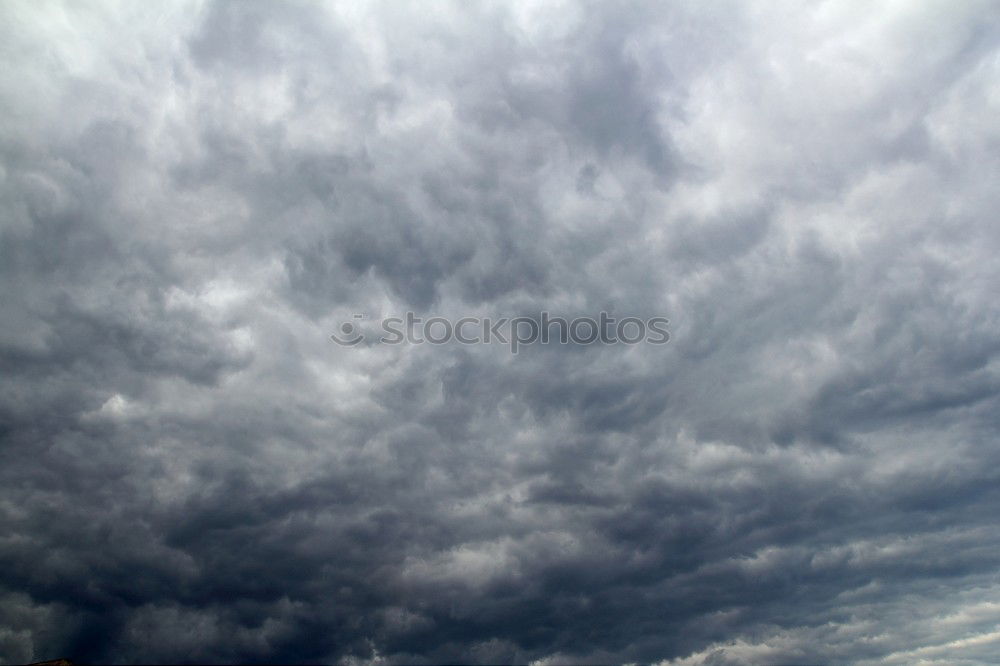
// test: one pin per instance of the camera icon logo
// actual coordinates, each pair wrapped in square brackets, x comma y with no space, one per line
[349,335]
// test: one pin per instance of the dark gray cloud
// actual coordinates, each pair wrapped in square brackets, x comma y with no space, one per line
[195,196]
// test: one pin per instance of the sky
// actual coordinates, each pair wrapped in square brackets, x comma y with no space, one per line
[195,196]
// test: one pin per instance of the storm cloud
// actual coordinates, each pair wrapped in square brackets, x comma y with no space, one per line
[194,196]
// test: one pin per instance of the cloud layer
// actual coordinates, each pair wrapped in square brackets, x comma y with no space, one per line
[195,196]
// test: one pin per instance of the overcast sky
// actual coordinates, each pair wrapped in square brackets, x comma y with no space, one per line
[193,197]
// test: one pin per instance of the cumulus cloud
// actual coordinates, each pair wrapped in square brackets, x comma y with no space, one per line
[194,196]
